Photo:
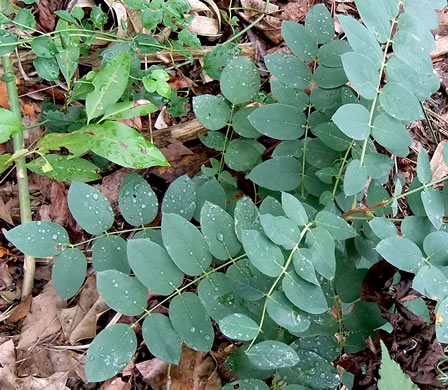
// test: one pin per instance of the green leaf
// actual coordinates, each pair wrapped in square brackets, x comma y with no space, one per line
[272,354]
[219,57]
[378,166]
[24,20]
[433,203]
[391,375]
[210,191]
[272,206]
[64,168]
[435,246]
[303,262]
[294,209]
[306,296]
[39,238]
[161,338]
[126,110]
[289,70]
[123,293]
[212,111]
[110,83]
[277,174]
[47,68]
[122,145]
[362,73]
[151,18]
[348,286]
[185,244]
[383,128]
[147,44]
[218,231]
[10,124]
[191,322]
[213,140]
[318,154]
[321,246]
[377,20]
[246,384]
[383,227]
[44,47]
[335,225]
[246,216]
[262,253]
[278,121]
[285,314]
[424,172]
[239,327]
[442,321]
[189,38]
[319,23]
[431,282]
[180,198]
[137,201]
[330,135]
[400,103]
[240,80]
[69,272]
[280,230]
[330,54]
[109,252]
[355,178]
[8,42]
[90,208]
[353,120]
[241,124]
[110,352]
[243,155]
[402,253]
[301,42]
[329,78]
[289,96]
[68,62]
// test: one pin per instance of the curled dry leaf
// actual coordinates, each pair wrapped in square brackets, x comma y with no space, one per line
[438,166]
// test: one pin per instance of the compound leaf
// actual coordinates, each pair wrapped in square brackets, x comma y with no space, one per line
[239,327]
[402,253]
[212,111]
[69,272]
[180,198]
[109,252]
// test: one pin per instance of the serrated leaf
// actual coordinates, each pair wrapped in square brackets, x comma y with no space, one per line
[137,201]
[262,253]
[353,121]
[69,272]
[90,208]
[280,230]
[246,216]
[362,73]
[185,244]
[240,80]
[294,209]
[431,282]
[191,322]
[271,355]
[123,293]
[321,246]
[319,23]
[217,228]
[212,111]
[110,352]
[238,326]
[434,207]
[289,70]
[278,121]
[355,178]
[402,253]
[301,42]
[39,238]
[180,198]
[400,103]
[285,314]
[277,174]
[109,252]
[335,225]
[424,172]
[10,124]
[383,128]
[161,338]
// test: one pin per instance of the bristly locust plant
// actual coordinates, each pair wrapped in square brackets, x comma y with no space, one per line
[281,273]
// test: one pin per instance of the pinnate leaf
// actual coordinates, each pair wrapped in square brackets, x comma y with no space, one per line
[239,327]
[180,198]
[69,272]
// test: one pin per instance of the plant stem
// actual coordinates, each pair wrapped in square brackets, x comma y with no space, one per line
[22,175]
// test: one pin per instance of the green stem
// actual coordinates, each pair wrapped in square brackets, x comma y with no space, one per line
[421,188]
[22,175]
[341,168]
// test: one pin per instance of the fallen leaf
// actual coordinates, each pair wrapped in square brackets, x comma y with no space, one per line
[5,276]
[175,150]
[110,186]
[4,213]
[438,165]
[4,102]
[115,384]
[21,310]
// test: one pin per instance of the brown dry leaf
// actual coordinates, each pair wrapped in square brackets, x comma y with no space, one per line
[4,213]
[270,25]
[5,276]
[196,371]
[297,10]
[438,166]
[21,310]
[42,322]
[115,384]
[8,365]
[4,102]
[175,150]
[46,16]
[110,186]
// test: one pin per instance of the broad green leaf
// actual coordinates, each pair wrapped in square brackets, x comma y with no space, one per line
[220,56]
[161,338]
[185,244]
[318,155]
[319,23]
[64,168]
[294,209]
[214,140]
[306,296]
[361,39]
[5,162]
[289,70]
[424,172]
[285,314]
[68,62]
[329,78]
[416,229]
[147,44]
[243,154]
[326,101]
[355,178]
[126,110]
[277,174]
[418,306]
[262,253]
[335,225]
[110,83]
[272,206]
[90,208]
[180,198]
[391,375]
[442,321]
[74,142]
[330,54]
[155,235]
[8,42]
[137,201]
[435,246]
[278,121]
[353,120]
[246,216]
[212,111]
[246,384]
[321,247]
[217,228]
[365,318]
[378,166]
[415,199]
[301,42]
[109,252]
[303,261]
[238,326]
[241,367]
[402,253]
[122,145]
[362,73]
[330,135]
[377,20]
[289,96]
[69,272]
[39,238]
[400,103]
[434,207]
[191,322]
[431,282]
[47,68]
[242,125]
[123,293]
[24,20]
[44,47]
[10,124]
[211,191]
[391,134]
[325,346]
[280,230]
[383,227]
[272,354]
[348,286]
[240,81]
